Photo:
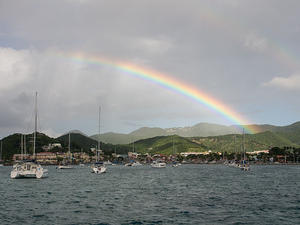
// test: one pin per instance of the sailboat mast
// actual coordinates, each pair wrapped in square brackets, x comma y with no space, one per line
[35,124]
[244,144]
[99,143]
[133,146]
[69,147]
[234,147]
[25,145]
[1,151]
[173,144]
[21,146]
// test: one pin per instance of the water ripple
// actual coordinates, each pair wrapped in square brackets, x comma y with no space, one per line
[190,194]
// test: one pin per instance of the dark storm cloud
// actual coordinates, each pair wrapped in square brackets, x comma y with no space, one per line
[244,53]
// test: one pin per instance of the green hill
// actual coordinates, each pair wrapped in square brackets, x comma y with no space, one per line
[148,132]
[80,141]
[253,142]
[228,143]
[290,132]
[142,133]
[164,145]
[12,144]
[115,138]
[280,137]
[204,130]
[201,129]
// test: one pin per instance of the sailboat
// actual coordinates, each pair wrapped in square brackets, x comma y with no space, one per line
[133,163]
[158,164]
[67,166]
[233,163]
[175,163]
[81,162]
[244,165]
[98,167]
[29,169]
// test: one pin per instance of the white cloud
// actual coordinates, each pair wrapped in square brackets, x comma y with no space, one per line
[291,83]
[15,67]
[154,46]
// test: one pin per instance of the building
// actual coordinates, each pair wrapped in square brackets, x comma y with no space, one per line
[17,157]
[46,158]
[185,154]
[133,155]
[258,152]
[55,145]
[81,156]
[50,146]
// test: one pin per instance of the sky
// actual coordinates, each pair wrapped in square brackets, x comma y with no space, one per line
[245,54]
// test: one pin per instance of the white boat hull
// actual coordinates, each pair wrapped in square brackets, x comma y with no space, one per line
[62,167]
[107,163]
[21,171]
[99,169]
[158,165]
[176,165]
[133,164]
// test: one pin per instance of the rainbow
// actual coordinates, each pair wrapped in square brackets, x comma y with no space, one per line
[169,83]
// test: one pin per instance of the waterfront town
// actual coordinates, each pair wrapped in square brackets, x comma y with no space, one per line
[274,155]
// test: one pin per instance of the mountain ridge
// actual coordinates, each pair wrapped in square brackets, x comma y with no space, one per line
[198,130]
[288,136]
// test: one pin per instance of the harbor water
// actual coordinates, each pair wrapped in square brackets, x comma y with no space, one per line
[188,194]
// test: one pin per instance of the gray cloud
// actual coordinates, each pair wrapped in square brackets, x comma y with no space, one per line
[224,48]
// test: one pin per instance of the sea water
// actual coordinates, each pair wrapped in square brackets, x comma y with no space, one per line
[188,194]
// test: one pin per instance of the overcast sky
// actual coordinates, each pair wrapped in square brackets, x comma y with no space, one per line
[243,53]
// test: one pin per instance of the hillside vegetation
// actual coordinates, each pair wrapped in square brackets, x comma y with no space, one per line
[279,137]
[228,143]
[12,144]
[254,142]
[79,142]
[164,145]
[290,132]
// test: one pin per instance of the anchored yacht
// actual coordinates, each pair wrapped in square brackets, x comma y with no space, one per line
[158,164]
[98,167]
[29,169]
[245,166]
[67,165]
